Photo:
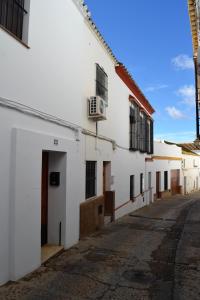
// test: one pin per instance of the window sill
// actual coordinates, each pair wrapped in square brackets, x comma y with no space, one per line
[91,198]
[14,36]
[133,149]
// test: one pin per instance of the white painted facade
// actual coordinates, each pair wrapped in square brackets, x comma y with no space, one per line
[43,98]
[43,107]
[165,159]
[190,173]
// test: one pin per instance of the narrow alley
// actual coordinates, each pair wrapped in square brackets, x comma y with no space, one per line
[152,253]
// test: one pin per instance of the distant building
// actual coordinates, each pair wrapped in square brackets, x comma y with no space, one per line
[165,166]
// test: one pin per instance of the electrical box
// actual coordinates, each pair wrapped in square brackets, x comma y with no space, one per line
[55,178]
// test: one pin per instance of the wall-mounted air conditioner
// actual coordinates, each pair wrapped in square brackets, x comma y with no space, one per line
[96,108]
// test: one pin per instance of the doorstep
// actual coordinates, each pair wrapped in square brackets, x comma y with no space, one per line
[47,251]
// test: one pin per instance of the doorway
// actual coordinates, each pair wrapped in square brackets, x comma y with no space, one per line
[185,185]
[106,176]
[53,203]
[157,185]
[149,187]
[175,179]
[44,198]
[109,196]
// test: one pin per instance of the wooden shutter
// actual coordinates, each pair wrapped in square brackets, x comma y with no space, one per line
[151,137]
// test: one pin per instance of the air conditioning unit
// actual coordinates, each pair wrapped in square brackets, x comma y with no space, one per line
[96,108]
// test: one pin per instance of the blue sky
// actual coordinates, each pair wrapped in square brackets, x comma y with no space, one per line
[153,39]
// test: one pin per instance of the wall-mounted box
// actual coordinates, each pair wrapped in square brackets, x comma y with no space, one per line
[55,178]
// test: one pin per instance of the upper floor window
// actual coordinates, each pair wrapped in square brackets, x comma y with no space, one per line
[140,130]
[101,83]
[12,14]
[133,128]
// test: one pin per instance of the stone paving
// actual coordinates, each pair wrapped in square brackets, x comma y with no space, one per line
[153,253]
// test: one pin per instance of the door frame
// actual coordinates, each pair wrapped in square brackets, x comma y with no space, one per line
[158,181]
[44,198]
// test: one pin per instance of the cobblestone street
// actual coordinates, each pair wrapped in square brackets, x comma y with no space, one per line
[153,253]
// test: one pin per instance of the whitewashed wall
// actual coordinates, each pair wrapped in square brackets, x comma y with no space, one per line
[55,76]
[190,170]
[160,165]
[123,162]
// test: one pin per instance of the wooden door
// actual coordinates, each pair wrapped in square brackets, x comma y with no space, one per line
[44,198]
[185,185]
[158,184]
[175,174]
[104,177]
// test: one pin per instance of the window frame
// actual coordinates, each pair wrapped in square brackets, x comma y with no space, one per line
[140,130]
[12,17]
[132,188]
[90,178]
[141,183]
[101,85]
[166,180]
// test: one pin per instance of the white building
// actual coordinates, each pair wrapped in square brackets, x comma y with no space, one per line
[191,172]
[52,156]
[63,170]
[190,167]
[165,166]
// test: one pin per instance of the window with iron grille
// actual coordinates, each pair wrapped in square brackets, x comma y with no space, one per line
[140,130]
[101,83]
[12,16]
[90,179]
[132,187]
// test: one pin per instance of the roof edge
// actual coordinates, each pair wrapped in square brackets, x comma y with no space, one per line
[131,84]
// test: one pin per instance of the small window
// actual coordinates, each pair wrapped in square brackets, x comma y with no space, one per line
[141,183]
[195,163]
[183,163]
[90,179]
[101,83]
[12,14]
[132,187]
[165,180]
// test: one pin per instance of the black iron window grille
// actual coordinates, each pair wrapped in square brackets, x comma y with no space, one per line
[101,83]
[12,16]
[140,131]
[90,179]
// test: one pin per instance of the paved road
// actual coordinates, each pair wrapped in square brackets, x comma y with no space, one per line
[153,253]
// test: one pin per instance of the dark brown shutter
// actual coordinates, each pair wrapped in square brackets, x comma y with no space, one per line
[151,137]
